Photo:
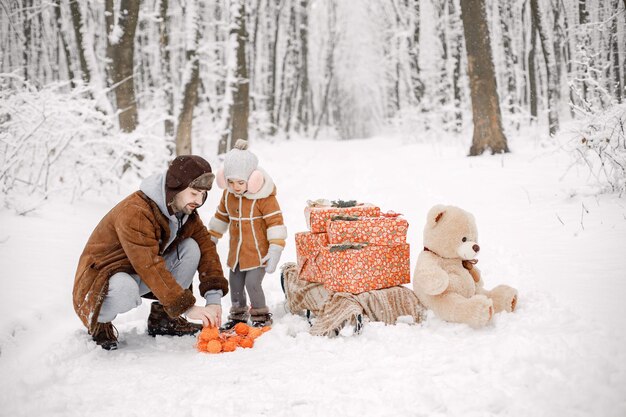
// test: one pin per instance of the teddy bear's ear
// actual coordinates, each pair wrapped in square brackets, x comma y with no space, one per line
[436,214]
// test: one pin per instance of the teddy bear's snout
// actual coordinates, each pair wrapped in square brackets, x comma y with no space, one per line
[476,248]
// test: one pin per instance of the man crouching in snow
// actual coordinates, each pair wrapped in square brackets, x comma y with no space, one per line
[151,244]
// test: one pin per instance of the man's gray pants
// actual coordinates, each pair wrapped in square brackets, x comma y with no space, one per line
[125,290]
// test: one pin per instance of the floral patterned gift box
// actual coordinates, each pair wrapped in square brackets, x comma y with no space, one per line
[317,216]
[308,248]
[383,230]
[365,269]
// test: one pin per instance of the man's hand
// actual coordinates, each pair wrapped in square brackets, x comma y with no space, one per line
[210,315]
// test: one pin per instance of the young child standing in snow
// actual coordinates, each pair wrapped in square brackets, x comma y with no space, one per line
[250,212]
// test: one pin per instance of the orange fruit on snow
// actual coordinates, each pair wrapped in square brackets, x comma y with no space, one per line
[242,329]
[201,346]
[214,346]
[246,342]
[209,333]
[229,346]
[235,339]
[254,332]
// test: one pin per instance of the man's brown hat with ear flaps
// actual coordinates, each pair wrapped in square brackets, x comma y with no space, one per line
[187,171]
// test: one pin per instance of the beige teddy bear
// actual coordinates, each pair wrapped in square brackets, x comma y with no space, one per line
[446,280]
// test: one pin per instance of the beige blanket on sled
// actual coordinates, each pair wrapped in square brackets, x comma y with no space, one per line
[334,310]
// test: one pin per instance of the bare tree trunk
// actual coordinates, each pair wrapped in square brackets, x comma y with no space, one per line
[456,46]
[27,28]
[583,40]
[166,66]
[440,30]
[241,102]
[557,42]
[330,58]
[506,20]
[624,64]
[66,49]
[253,51]
[303,70]
[548,54]
[617,81]
[288,58]
[532,70]
[109,22]
[43,57]
[77,20]
[238,112]
[524,99]
[273,62]
[414,48]
[396,82]
[488,132]
[569,67]
[123,62]
[190,95]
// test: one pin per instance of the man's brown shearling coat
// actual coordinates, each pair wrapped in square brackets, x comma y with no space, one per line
[130,238]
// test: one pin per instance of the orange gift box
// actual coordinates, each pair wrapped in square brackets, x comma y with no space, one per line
[308,248]
[370,268]
[383,231]
[317,217]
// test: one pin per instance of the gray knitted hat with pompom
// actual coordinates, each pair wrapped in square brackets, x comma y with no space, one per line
[239,162]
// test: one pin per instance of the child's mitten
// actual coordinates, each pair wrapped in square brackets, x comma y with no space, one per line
[272,258]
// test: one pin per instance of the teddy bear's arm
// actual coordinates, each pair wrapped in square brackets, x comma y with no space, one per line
[431,278]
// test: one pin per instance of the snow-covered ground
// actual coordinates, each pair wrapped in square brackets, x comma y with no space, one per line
[545,233]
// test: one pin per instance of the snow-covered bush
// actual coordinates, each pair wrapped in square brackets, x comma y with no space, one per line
[600,143]
[55,141]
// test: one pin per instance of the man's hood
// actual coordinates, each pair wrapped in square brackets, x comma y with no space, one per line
[154,187]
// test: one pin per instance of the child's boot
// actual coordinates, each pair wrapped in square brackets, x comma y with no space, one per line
[261,317]
[237,315]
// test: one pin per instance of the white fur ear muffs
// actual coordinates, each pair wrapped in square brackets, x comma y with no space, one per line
[221,180]
[255,182]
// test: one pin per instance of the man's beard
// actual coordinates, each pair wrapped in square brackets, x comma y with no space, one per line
[189,208]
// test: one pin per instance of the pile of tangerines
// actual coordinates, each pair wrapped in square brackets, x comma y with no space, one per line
[211,340]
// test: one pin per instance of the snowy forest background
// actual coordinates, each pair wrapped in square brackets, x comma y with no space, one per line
[382,101]
[92,91]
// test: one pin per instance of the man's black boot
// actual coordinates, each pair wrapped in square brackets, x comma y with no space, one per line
[161,324]
[105,335]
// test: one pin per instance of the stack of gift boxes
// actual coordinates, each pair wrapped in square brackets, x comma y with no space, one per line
[353,249]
